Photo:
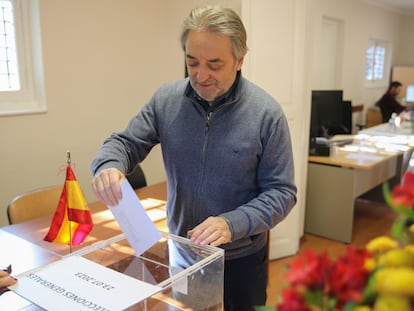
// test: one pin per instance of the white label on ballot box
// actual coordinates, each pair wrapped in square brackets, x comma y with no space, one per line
[75,283]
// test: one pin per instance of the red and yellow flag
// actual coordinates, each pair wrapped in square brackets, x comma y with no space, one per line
[72,221]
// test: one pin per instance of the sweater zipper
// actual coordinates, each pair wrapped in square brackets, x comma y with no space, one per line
[210,113]
[208,118]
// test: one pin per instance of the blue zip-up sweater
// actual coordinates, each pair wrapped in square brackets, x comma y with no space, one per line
[233,159]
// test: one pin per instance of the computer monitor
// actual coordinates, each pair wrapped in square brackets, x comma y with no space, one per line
[409,94]
[329,114]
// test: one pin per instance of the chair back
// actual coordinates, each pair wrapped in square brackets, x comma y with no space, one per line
[137,178]
[33,204]
[374,117]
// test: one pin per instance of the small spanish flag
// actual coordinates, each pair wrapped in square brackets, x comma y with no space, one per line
[72,220]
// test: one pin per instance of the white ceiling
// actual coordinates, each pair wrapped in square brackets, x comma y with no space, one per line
[401,6]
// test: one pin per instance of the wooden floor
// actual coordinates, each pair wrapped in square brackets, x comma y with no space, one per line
[371,219]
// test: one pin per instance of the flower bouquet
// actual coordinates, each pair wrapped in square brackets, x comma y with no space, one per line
[377,277]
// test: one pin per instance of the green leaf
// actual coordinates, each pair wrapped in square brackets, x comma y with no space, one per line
[370,291]
[349,306]
[314,297]
[387,193]
[265,308]
[403,210]
[331,303]
[398,228]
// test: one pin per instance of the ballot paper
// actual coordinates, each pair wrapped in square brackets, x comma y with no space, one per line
[134,221]
[76,283]
[365,157]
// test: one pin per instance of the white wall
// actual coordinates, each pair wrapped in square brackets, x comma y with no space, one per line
[405,50]
[102,61]
[361,21]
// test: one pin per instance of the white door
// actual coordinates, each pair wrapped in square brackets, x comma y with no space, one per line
[326,73]
[276,61]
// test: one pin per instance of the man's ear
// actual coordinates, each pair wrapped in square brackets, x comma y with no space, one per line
[240,63]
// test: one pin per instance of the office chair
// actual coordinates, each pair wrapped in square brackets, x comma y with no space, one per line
[33,204]
[137,178]
[385,113]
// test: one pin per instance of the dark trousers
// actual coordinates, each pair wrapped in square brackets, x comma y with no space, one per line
[245,282]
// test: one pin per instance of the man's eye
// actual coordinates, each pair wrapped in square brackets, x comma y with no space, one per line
[191,64]
[215,67]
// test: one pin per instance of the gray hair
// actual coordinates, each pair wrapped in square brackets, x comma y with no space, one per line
[217,20]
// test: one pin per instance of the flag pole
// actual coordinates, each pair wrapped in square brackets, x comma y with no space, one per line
[68,161]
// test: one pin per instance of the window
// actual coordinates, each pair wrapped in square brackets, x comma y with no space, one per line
[9,76]
[377,62]
[20,58]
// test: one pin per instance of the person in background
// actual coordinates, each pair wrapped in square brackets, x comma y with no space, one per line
[227,154]
[389,103]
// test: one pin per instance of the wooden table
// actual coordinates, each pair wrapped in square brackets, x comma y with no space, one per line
[22,254]
[105,226]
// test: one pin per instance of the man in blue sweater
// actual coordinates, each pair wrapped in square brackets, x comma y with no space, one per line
[227,154]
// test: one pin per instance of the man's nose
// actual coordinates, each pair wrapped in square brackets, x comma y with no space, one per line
[203,74]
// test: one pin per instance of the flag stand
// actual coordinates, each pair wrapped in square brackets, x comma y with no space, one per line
[68,162]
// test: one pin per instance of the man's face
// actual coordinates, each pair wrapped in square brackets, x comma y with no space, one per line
[210,62]
[396,90]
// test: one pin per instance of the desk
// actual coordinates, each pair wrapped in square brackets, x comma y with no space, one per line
[335,182]
[399,136]
[406,131]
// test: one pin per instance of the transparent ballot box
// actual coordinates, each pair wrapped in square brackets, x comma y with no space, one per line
[190,277]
